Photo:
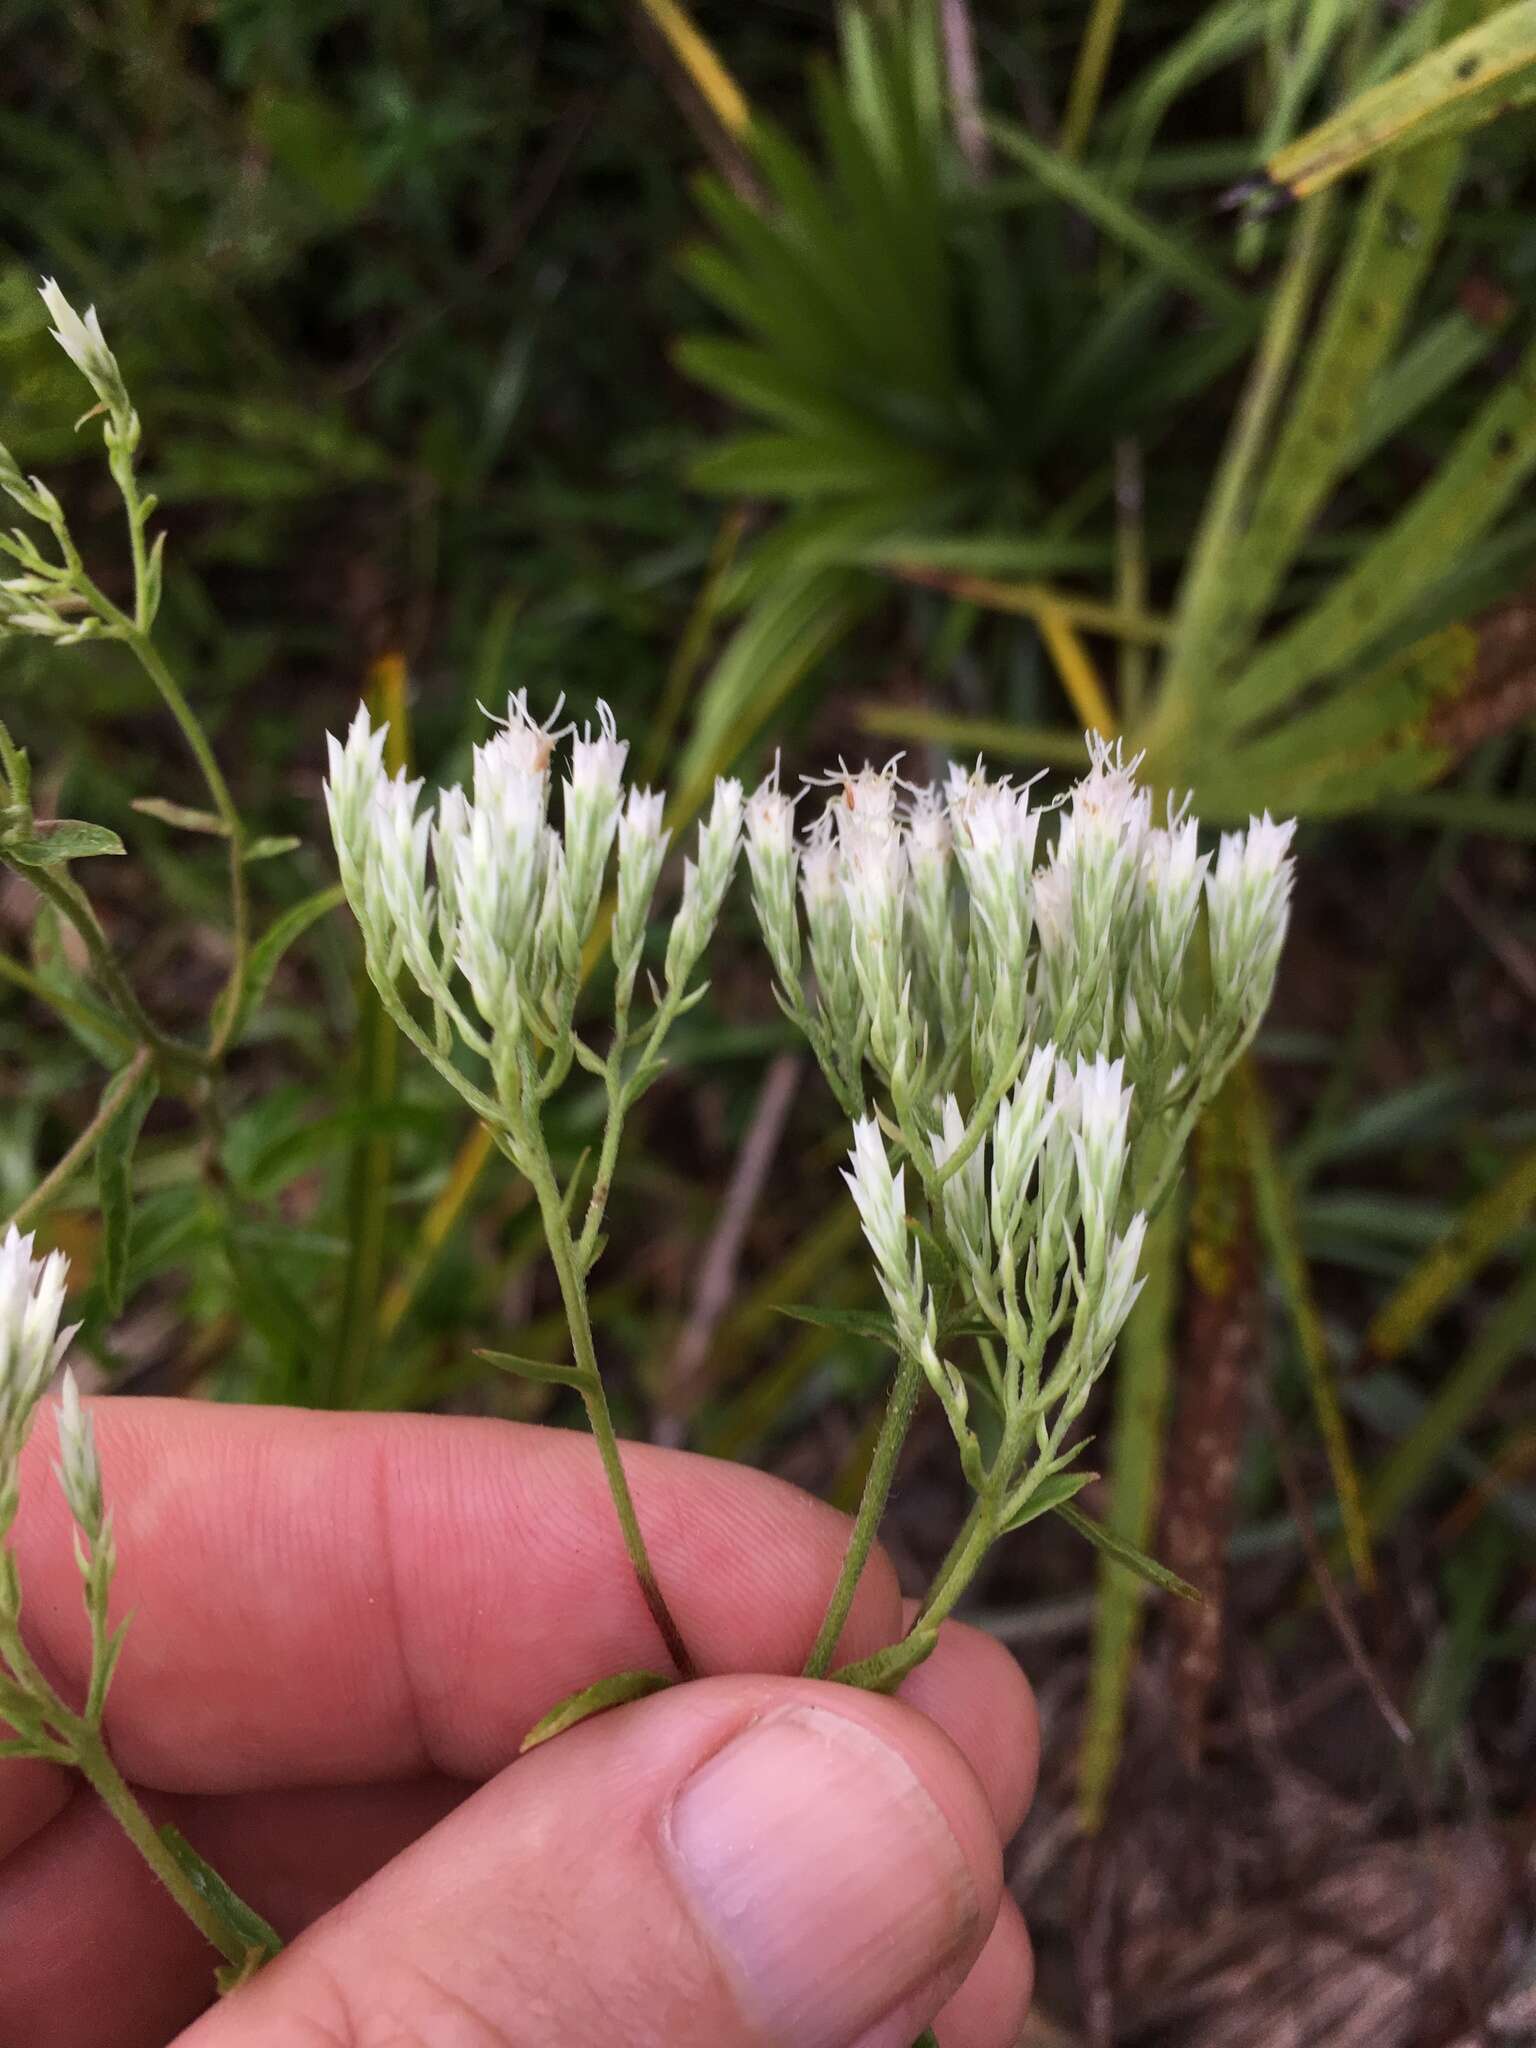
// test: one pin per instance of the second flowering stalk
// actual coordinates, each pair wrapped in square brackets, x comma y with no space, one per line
[490,910]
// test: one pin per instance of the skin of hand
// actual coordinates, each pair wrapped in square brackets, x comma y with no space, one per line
[343,1625]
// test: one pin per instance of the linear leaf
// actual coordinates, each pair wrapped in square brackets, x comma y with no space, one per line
[1121,1552]
[114,1180]
[1467,81]
[53,840]
[274,943]
[616,1691]
[543,1370]
[1480,476]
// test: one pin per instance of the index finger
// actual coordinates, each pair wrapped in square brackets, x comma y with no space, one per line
[338,1598]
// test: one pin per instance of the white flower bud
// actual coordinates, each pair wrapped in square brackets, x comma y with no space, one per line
[773,862]
[642,849]
[878,1195]
[705,883]
[592,803]
[31,1342]
[1248,894]
[86,346]
[356,774]
[1101,1110]
[965,1191]
[78,1468]
[1119,1286]
[1024,1120]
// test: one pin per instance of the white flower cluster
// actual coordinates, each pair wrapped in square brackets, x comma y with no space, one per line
[482,886]
[932,931]
[1030,1219]
[32,1346]
[1056,993]
[47,600]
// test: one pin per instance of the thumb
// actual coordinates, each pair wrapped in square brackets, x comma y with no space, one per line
[736,1863]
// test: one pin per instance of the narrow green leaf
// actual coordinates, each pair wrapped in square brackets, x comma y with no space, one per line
[617,1691]
[56,839]
[1142,1372]
[1478,478]
[1048,1498]
[1485,72]
[1120,1552]
[181,816]
[274,943]
[1274,1204]
[1122,223]
[848,1322]
[114,1180]
[1478,1235]
[246,1923]
[541,1369]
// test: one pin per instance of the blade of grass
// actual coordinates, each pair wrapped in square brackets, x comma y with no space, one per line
[1275,1205]
[1143,1372]
[1460,1399]
[1040,601]
[1480,1234]
[1093,55]
[705,68]
[1122,223]
[1467,81]
[970,736]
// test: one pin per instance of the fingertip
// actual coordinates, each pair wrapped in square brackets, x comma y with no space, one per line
[991,2006]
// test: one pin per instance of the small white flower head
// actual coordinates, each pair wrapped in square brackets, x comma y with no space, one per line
[773,861]
[930,836]
[31,1342]
[396,893]
[593,798]
[1174,870]
[78,1468]
[86,346]
[597,764]
[523,745]
[965,1196]
[642,849]
[821,869]
[356,767]
[1024,1121]
[770,820]
[705,881]
[450,829]
[1248,893]
[1100,844]
[879,1197]
[1120,1285]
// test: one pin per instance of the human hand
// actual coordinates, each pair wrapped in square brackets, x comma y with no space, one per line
[343,1627]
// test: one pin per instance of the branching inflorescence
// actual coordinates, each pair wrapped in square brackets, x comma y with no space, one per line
[491,910]
[1065,1003]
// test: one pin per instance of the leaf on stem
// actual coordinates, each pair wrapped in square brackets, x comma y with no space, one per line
[543,1370]
[616,1691]
[274,943]
[59,839]
[261,1941]
[848,1322]
[114,1180]
[1049,1497]
[1119,1551]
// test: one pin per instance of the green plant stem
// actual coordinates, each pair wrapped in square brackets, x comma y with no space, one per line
[153,664]
[573,1293]
[114,1792]
[85,1144]
[71,902]
[877,1488]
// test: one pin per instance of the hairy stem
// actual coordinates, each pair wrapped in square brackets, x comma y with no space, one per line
[573,1294]
[114,1792]
[877,1487]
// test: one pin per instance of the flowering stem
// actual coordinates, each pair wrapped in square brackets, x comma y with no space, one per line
[109,1785]
[227,1011]
[877,1488]
[536,1164]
